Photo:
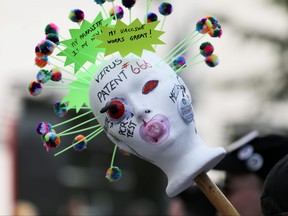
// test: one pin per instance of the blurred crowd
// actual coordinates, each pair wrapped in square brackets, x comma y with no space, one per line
[256,183]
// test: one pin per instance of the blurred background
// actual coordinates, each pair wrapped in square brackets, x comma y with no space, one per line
[246,91]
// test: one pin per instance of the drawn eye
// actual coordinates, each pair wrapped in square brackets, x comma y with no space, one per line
[117,109]
[149,86]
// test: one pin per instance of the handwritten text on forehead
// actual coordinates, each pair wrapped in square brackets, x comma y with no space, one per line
[107,69]
[114,67]
[111,85]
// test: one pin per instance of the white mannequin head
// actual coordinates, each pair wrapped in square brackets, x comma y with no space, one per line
[146,109]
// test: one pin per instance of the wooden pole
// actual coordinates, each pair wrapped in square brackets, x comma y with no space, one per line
[214,194]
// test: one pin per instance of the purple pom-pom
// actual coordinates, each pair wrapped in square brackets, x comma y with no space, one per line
[35,88]
[43,128]
[76,15]
[165,8]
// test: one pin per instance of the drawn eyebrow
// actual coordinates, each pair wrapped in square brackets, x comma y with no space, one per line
[149,86]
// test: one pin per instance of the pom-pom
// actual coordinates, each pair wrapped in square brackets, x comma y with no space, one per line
[41,61]
[51,140]
[100,2]
[214,26]
[113,174]
[51,28]
[206,49]
[151,17]
[35,88]
[212,60]
[46,47]
[56,74]
[60,109]
[128,3]
[43,128]
[201,26]
[53,37]
[209,25]
[217,32]
[76,15]
[43,76]
[165,8]
[81,143]
[179,62]
[119,12]
[38,52]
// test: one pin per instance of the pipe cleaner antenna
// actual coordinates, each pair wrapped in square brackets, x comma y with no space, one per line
[101,2]
[88,138]
[148,3]
[113,173]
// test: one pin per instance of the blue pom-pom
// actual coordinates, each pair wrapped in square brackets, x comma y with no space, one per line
[113,174]
[179,62]
[60,109]
[81,143]
[165,8]
[151,17]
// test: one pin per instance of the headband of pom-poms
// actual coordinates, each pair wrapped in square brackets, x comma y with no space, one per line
[86,46]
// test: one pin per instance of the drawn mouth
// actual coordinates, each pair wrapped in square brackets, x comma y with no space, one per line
[155,131]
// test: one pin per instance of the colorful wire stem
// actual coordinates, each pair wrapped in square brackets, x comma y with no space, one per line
[78,131]
[188,64]
[180,45]
[88,138]
[63,86]
[77,117]
[78,125]
[148,3]
[113,156]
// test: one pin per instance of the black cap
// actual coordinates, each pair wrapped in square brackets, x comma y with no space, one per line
[254,154]
[275,190]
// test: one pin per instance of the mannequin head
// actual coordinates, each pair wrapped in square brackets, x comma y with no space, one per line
[146,109]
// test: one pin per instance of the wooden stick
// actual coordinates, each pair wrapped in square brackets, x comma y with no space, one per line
[214,194]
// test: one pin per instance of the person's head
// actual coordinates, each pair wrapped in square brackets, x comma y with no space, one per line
[191,202]
[146,110]
[247,164]
[274,198]
[24,208]
[141,207]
